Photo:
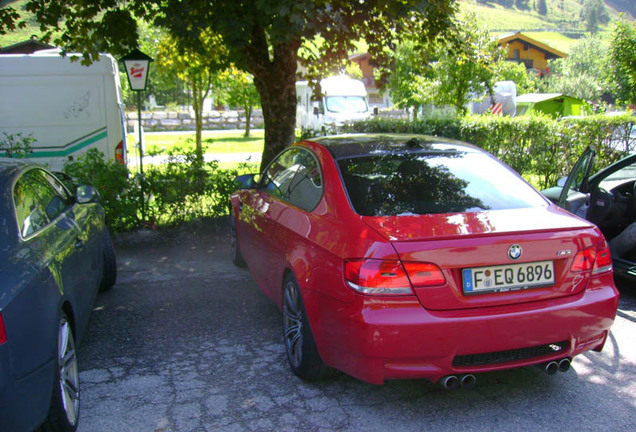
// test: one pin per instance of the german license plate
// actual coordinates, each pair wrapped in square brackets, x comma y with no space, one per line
[508,277]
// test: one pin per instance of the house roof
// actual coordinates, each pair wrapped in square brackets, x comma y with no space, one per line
[518,36]
[28,46]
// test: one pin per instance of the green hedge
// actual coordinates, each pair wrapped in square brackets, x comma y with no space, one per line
[180,190]
[540,148]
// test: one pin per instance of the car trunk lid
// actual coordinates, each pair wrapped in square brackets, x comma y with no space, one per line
[485,244]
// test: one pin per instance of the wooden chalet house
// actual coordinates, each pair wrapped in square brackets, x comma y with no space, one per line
[532,53]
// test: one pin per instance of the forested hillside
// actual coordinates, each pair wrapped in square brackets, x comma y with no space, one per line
[561,14]
[628,6]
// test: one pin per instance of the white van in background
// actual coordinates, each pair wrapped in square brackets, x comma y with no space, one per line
[343,100]
[65,107]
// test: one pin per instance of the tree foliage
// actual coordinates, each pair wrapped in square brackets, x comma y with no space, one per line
[623,61]
[582,73]
[459,67]
[197,69]
[542,7]
[263,37]
[527,82]
[236,88]
[594,13]
[404,78]
[10,20]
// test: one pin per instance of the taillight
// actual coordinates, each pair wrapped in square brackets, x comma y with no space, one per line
[424,274]
[375,276]
[595,258]
[3,333]
[119,153]
[584,260]
[603,261]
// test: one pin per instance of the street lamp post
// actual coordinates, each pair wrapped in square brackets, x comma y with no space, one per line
[137,65]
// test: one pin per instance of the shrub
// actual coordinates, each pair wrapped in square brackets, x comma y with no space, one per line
[180,190]
[185,188]
[119,193]
[16,145]
[539,147]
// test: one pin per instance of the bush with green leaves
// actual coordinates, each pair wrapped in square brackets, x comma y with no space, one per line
[184,189]
[119,192]
[16,145]
[180,190]
[539,147]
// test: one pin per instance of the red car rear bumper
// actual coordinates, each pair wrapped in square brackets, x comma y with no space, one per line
[383,338]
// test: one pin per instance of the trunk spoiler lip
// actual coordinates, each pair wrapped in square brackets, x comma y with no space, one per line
[410,228]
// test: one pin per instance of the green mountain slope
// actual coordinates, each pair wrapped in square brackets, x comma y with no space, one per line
[560,27]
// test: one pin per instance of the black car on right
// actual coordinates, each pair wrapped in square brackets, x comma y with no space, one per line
[607,199]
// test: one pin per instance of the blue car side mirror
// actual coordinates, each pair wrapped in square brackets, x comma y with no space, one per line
[246,181]
[85,194]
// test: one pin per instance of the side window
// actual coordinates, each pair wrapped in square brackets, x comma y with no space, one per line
[37,202]
[55,195]
[279,174]
[295,177]
[305,190]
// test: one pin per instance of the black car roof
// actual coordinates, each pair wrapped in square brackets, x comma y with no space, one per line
[343,146]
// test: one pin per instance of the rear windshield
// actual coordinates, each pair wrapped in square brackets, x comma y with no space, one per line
[440,182]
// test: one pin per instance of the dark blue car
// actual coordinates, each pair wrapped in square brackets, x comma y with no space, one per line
[55,255]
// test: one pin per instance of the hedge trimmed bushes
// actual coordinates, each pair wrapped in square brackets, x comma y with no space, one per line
[180,190]
[183,189]
[538,147]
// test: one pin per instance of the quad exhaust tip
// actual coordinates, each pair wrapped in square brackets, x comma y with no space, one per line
[552,367]
[564,364]
[454,382]
[468,381]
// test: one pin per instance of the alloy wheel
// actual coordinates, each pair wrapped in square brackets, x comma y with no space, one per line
[293,324]
[68,372]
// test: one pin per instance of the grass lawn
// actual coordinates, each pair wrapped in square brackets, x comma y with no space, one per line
[214,142]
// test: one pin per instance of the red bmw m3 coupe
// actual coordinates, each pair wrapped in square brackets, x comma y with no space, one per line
[397,256]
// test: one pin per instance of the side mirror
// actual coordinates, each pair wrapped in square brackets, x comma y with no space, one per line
[316,110]
[246,181]
[561,181]
[375,110]
[85,194]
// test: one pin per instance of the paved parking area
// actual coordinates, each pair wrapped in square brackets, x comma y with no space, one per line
[186,342]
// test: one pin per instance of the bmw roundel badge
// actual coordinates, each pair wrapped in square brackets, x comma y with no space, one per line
[514,252]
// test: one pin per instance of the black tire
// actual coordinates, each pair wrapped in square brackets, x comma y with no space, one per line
[65,399]
[110,264]
[237,257]
[300,346]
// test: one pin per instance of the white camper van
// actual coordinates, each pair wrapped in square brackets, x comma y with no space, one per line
[66,107]
[503,102]
[343,100]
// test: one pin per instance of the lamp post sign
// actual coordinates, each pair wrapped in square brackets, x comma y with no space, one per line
[137,64]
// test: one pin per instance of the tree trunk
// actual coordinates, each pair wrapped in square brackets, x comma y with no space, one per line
[197,106]
[275,80]
[200,90]
[248,119]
